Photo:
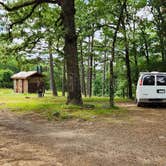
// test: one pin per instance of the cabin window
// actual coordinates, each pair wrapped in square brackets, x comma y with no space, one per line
[149,80]
[161,80]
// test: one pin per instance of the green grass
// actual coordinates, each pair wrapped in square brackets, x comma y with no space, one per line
[55,107]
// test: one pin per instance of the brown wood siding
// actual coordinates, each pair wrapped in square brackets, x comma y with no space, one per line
[17,85]
[33,84]
[29,85]
[25,86]
[22,86]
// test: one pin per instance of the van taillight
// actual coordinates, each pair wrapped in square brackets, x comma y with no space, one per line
[140,82]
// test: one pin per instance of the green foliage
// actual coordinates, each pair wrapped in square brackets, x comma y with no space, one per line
[97,86]
[140,3]
[97,17]
[5,80]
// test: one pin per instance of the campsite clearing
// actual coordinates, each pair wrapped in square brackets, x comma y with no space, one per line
[137,138]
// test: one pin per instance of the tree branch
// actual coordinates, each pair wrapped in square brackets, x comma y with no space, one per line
[29,3]
[20,21]
[35,3]
[19,6]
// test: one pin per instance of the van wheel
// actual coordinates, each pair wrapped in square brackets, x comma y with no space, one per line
[139,104]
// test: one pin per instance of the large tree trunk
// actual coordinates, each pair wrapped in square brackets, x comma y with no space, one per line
[71,56]
[52,80]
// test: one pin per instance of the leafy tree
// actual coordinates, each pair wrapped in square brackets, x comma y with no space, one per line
[70,48]
[5,80]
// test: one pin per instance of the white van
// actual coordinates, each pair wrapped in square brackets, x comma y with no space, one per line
[151,88]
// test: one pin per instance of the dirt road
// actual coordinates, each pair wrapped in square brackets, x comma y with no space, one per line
[137,138]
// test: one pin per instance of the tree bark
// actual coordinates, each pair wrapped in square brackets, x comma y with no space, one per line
[146,46]
[104,73]
[71,55]
[134,18]
[64,78]
[159,22]
[52,80]
[136,63]
[90,67]
[83,85]
[161,33]
[127,60]
[111,101]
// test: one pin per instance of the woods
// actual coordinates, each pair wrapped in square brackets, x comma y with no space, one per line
[90,48]
[82,82]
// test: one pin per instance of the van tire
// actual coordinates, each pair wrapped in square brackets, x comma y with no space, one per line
[139,104]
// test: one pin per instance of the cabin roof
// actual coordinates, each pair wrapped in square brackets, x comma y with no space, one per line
[25,74]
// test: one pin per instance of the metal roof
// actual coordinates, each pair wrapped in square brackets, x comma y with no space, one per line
[153,73]
[24,74]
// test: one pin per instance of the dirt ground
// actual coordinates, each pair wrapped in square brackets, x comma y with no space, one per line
[137,138]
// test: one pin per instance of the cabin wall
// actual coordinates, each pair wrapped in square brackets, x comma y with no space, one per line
[33,83]
[21,86]
[20,90]
[15,86]
[25,86]
[29,85]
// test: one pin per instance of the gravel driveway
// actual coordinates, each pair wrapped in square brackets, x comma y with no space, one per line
[137,138]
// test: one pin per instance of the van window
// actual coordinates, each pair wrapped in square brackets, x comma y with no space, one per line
[148,80]
[161,80]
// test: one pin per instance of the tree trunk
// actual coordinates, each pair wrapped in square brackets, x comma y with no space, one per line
[71,55]
[144,36]
[64,78]
[146,49]
[135,53]
[52,80]
[127,60]
[111,101]
[136,63]
[104,73]
[90,67]
[83,85]
[161,33]
[112,80]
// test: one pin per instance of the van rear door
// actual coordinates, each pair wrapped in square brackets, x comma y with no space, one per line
[161,86]
[148,88]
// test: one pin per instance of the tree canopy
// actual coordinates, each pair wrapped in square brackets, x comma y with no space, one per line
[98,47]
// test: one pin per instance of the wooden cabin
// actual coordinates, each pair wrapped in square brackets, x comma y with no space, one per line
[27,82]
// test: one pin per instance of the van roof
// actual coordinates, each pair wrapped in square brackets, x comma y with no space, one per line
[153,72]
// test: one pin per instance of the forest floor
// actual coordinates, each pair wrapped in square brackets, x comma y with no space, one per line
[136,138]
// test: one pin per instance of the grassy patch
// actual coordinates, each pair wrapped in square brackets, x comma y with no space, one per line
[55,107]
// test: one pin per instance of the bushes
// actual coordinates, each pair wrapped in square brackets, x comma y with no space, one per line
[5,80]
